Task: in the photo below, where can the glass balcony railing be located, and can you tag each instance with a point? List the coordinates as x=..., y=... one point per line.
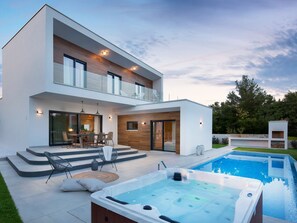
x=69, y=76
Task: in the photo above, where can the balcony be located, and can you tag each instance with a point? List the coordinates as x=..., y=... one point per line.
x=69, y=76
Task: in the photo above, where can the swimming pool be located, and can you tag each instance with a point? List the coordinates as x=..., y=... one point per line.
x=157, y=197
x=277, y=173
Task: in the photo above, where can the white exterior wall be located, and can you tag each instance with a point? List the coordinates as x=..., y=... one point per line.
x=191, y=113
x=24, y=59
x=191, y=132
x=39, y=124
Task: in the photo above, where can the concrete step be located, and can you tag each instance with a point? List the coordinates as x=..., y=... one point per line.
x=42, y=160
x=24, y=169
x=39, y=151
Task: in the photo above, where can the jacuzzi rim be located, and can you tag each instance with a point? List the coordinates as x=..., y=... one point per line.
x=245, y=216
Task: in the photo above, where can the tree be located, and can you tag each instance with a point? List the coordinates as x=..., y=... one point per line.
x=245, y=109
x=289, y=111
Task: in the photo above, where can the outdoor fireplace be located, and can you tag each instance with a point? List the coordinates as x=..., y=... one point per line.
x=278, y=134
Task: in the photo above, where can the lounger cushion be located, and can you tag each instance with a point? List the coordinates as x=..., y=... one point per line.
x=91, y=184
x=71, y=185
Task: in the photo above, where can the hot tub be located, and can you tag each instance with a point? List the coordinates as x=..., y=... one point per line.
x=197, y=197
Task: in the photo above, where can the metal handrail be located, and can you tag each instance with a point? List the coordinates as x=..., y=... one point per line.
x=162, y=162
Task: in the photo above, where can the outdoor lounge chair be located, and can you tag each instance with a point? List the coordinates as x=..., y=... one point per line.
x=58, y=164
x=108, y=155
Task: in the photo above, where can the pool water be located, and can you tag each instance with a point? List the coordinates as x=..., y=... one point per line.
x=187, y=201
x=277, y=173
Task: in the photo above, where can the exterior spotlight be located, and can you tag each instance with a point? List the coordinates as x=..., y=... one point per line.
x=39, y=112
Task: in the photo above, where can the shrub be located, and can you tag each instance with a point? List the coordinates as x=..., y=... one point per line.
x=225, y=141
x=215, y=140
x=294, y=144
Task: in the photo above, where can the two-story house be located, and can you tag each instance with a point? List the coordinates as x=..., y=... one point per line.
x=59, y=76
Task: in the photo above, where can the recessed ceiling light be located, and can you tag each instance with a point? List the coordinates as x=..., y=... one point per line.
x=104, y=52
x=133, y=68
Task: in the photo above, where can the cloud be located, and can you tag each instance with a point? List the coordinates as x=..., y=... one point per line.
x=193, y=73
x=181, y=72
x=215, y=79
x=141, y=47
x=278, y=67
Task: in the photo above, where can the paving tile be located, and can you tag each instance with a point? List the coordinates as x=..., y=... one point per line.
x=82, y=212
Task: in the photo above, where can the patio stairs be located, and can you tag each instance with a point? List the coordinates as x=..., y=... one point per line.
x=33, y=163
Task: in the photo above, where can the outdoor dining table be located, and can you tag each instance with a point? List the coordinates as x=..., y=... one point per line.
x=82, y=138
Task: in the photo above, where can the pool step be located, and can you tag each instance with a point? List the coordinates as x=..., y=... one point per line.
x=25, y=169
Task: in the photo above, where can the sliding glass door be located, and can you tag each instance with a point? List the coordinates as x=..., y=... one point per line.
x=163, y=135
x=60, y=122
x=157, y=135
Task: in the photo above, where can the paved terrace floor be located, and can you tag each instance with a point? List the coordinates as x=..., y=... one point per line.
x=40, y=202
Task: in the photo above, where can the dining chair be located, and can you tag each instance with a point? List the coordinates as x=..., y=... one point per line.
x=109, y=138
x=66, y=140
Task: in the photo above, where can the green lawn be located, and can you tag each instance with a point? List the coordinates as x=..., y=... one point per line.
x=292, y=152
x=292, y=137
x=217, y=146
x=8, y=211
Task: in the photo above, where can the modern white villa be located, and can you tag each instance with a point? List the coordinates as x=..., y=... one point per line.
x=59, y=76
x=61, y=80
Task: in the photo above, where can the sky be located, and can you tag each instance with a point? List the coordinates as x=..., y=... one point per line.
x=201, y=46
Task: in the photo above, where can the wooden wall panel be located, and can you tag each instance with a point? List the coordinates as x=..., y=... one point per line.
x=141, y=139
x=100, y=215
x=95, y=63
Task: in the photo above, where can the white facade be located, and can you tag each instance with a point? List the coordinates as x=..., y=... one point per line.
x=195, y=122
x=278, y=134
x=29, y=85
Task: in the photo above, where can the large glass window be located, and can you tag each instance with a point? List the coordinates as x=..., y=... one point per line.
x=163, y=135
x=74, y=72
x=68, y=71
x=113, y=83
x=61, y=122
x=71, y=123
x=139, y=90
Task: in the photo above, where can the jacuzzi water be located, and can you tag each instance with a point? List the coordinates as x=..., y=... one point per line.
x=277, y=173
x=199, y=197
x=187, y=201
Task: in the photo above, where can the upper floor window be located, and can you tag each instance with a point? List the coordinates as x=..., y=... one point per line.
x=74, y=72
x=139, y=90
x=113, y=83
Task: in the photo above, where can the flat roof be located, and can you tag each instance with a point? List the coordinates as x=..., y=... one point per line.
x=95, y=43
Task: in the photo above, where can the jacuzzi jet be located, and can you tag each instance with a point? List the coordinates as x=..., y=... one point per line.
x=249, y=195
x=177, y=176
